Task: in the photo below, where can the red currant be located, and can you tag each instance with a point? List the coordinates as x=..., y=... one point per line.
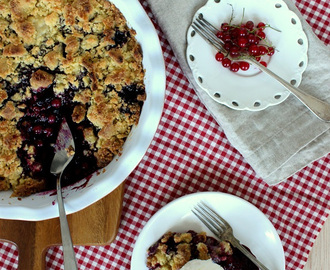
x=235, y=33
x=271, y=51
x=253, y=39
x=253, y=50
x=227, y=45
x=219, y=56
x=263, y=63
x=242, y=32
x=244, y=65
x=261, y=25
x=226, y=62
x=220, y=34
x=234, y=51
x=225, y=26
x=242, y=41
x=263, y=50
x=226, y=37
x=249, y=25
x=261, y=34
x=234, y=67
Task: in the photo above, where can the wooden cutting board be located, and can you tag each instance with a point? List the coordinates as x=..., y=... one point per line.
x=95, y=225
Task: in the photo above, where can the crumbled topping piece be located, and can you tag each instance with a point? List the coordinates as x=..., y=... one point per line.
x=42, y=79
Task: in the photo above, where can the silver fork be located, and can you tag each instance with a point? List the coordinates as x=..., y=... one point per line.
x=320, y=108
x=221, y=229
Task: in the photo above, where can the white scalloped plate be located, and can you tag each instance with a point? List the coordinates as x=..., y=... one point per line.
x=43, y=206
x=252, y=91
x=250, y=226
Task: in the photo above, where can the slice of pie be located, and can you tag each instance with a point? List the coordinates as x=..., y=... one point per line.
x=174, y=250
x=76, y=59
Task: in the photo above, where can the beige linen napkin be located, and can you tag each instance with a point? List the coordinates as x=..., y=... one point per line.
x=280, y=140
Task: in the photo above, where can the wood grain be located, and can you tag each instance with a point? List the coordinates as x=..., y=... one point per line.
x=95, y=225
x=319, y=258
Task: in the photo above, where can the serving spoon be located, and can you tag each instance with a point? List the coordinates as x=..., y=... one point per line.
x=64, y=152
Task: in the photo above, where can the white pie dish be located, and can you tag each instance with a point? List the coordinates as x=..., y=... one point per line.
x=43, y=206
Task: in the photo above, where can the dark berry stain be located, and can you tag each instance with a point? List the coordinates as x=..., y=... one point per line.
x=131, y=92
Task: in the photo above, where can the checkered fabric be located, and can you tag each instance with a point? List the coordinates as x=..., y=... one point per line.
x=190, y=153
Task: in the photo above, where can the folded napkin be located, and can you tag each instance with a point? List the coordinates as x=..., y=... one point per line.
x=280, y=140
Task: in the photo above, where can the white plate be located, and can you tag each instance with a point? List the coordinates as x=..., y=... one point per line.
x=245, y=91
x=250, y=226
x=43, y=206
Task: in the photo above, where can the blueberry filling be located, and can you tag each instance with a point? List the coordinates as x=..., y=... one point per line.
x=236, y=261
x=39, y=126
x=120, y=38
x=43, y=112
x=131, y=92
x=84, y=162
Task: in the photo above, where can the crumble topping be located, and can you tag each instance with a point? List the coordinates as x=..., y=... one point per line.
x=41, y=78
x=62, y=58
x=174, y=250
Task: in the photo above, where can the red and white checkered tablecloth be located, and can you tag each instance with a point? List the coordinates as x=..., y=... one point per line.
x=190, y=153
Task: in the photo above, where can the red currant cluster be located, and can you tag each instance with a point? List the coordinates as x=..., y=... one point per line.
x=240, y=41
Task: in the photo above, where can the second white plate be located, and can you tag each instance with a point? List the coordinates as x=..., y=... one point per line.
x=250, y=226
x=258, y=91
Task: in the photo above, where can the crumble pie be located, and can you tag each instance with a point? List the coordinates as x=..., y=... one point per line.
x=173, y=250
x=76, y=59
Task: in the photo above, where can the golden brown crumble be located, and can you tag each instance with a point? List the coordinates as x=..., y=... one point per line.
x=173, y=250
x=82, y=46
x=41, y=78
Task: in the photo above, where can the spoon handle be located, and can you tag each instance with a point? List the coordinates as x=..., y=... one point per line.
x=70, y=262
x=320, y=108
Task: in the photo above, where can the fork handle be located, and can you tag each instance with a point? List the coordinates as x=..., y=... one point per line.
x=320, y=108
x=248, y=254
x=70, y=262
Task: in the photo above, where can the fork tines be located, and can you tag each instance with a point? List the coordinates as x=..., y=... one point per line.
x=207, y=24
x=207, y=31
x=215, y=223
x=221, y=228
